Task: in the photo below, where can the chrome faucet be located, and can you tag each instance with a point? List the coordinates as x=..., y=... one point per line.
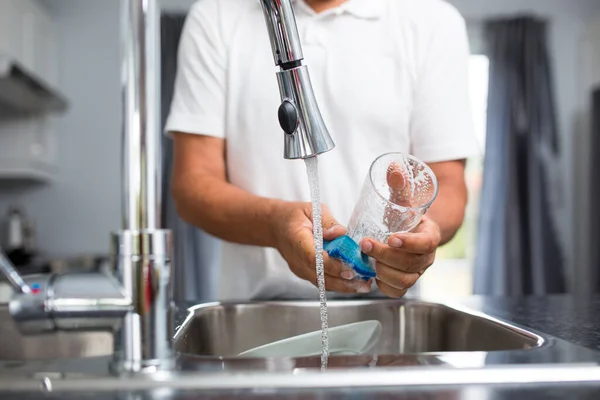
x=299, y=116
x=134, y=299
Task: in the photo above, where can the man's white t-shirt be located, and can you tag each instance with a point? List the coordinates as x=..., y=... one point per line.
x=389, y=75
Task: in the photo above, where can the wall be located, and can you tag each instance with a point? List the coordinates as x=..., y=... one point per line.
x=77, y=211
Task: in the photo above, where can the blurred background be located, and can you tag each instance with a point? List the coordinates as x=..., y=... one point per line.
x=531, y=225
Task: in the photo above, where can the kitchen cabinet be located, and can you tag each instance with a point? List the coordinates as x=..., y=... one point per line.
x=28, y=38
x=28, y=34
x=11, y=42
x=27, y=148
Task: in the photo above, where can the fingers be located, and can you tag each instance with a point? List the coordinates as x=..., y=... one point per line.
x=397, y=258
x=333, y=232
x=337, y=268
x=391, y=291
x=395, y=278
x=414, y=243
x=338, y=284
x=331, y=228
x=399, y=185
x=425, y=239
x=395, y=177
x=341, y=278
x=338, y=277
x=327, y=218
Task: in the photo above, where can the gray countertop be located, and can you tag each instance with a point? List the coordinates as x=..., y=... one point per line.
x=576, y=320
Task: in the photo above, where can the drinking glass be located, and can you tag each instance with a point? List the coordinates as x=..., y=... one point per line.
x=398, y=191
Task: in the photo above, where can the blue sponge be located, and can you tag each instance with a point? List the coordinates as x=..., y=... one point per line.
x=347, y=250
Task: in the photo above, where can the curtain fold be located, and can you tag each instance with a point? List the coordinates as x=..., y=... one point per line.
x=518, y=250
x=196, y=254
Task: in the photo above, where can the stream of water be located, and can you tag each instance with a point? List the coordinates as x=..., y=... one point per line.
x=312, y=169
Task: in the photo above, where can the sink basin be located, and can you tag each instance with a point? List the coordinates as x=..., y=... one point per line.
x=226, y=330
x=60, y=345
x=408, y=327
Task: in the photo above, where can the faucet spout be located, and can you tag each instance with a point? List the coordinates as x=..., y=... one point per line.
x=306, y=134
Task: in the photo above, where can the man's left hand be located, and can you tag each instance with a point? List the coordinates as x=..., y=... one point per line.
x=406, y=256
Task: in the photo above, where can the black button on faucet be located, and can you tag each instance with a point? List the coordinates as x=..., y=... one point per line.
x=288, y=117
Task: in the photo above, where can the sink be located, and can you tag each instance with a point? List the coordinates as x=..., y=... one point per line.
x=60, y=345
x=409, y=327
x=226, y=330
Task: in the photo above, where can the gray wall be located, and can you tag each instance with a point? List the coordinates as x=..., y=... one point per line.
x=76, y=212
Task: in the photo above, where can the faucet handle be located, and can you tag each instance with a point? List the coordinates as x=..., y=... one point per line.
x=13, y=277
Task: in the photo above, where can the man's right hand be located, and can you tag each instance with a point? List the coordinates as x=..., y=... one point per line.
x=295, y=242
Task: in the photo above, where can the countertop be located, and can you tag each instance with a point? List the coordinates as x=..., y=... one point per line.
x=575, y=320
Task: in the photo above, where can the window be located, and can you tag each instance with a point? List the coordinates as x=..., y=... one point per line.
x=453, y=271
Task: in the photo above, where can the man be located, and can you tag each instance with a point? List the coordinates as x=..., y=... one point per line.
x=389, y=75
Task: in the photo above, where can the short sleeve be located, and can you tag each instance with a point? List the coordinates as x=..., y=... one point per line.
x=442, y=126
x=198, y=104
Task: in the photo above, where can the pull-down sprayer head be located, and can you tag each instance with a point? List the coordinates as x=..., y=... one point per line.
x=299, y=116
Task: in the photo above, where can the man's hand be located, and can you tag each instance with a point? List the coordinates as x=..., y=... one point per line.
x=296, y=244
x=406, y=256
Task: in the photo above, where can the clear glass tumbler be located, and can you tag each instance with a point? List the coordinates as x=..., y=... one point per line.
x=398, y=191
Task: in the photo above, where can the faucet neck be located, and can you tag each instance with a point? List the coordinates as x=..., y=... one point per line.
x=142, y=252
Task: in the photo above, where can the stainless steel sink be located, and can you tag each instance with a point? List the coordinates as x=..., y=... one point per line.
x=421, y=345
x=60, y=345
x=409, y=327
x=225, y=330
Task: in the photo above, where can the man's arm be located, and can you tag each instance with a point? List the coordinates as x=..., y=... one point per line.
x=204, y=198
x=448, y=210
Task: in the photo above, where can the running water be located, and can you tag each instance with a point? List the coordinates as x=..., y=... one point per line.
x=313, y=181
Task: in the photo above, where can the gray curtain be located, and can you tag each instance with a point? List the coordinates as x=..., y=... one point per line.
x=518, y=250
x=197, y=255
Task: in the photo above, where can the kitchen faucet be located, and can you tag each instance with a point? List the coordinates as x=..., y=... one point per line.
x=134, y=299
x=299, y=116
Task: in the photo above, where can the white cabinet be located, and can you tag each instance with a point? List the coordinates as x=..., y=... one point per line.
x=39, y=42
x=11, y=42
x=28, y=35
x=27, y=148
